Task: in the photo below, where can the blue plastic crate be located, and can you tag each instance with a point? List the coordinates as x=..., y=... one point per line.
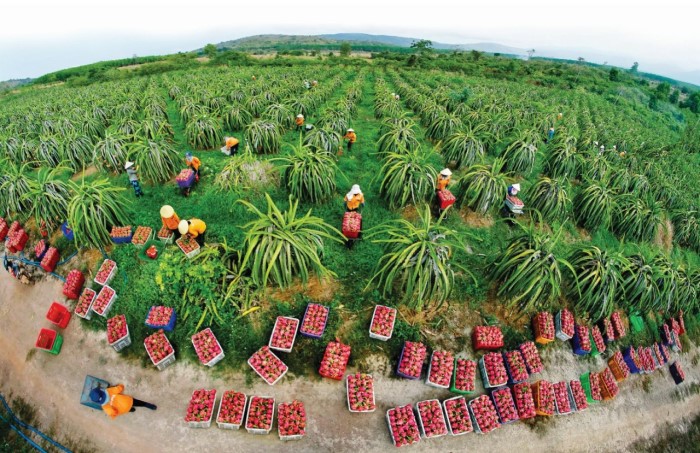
x=498, y=411
x=510, y=375
x=68, y=233
x=674, y=374
x=576, y=343
x=188, y=182
x=627, y=357
x=168, y=327
x=400, y=374
x=310, y=335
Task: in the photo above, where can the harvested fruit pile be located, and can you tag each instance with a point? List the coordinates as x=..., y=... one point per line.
x=201, y=406
x=543, y=396
x=103, y=301
x=441, y=368
x=104, y=273
x=403, y=426
x=121, y=232
x=565, y=325
x=284, y=333
x=314, y=321
x=561, y=398
x=291, y=419
x=523, y=400
x=158, y=346
x=543, y=325
x=484, y=414
x=335, y=360
x=116, y=329
x=458, y=418
x=598, y=339
x=582, y=340
x=493, y=370
x=141, y=235
x=431, y=418
x=579, y=395
x=50, y=260
x=187, y=244
x=383, y=321
x=352, y=224
x=232, y=408
x=618, y=326
x=487, y=337
x=260, y=413
x=206, y=346
x=267, y=365
x=608, y=385
x=159, y=316
x=411, y=361
x=360, y=390
x=505, y=406
x=85, y=302
x=465, y=375
x=515, y=364
x=165, y=233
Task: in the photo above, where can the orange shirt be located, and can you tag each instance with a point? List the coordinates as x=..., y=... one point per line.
x=442, y=182
x=351, y=136
x=197, y=227
x=232, y=141
x=194, y=163
x=171, y=223
x=117, y=403
x=300, y=121
x=355, y=201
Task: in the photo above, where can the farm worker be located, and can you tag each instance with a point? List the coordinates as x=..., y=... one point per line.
x=299, y=121
x=560, y=115
x=354, y=199
x=602, y=149
x=193, y=162
x=513, y=190
x=314, y=83
x=170, y=220
x=307, y=85
x=231, y=145
x=350, y=136
x=115, y=403
x=195, y=228
x=444, y=179
x=253, y=77
x=550, y=134
x=133, y=178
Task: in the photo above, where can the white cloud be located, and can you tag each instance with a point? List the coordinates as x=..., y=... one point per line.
x=38, y=36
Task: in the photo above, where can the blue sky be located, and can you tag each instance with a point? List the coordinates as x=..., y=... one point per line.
x=40, y=36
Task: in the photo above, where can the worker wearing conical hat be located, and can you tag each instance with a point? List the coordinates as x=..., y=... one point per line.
x=351, y=137
x=195, y=228
x=444, y=179
x=299, y=121
x=354, y=199
x=169, y=218
x=133, y=178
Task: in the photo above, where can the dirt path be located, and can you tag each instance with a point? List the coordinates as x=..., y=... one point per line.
x=53, y=385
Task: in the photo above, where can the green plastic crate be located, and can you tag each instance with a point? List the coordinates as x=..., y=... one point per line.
x=586, y=384
x=637, y=323
x=594, y=349
x=453, y=389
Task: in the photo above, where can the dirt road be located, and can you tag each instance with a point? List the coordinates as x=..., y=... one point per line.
x=53, y=385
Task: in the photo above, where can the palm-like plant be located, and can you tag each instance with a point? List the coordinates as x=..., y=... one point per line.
x=397, y=138
x=280, y=246
x=528, y=272
x=77, y=150
x=549, y=197
x=237, y=118
x=483, y=186
x=109, y=154
x=599, y=280
x=443, y=125
x=263, y=136
x=323, y=140
x=279, y=114
x=157, y=160
x=309, y=175
x=416, y=260
x=15, y=183
x=49, y=151
x=408, y=178
x=520, y=154
x=639, y=283
x=464, y=148
x=95, y=207
x=637, y=218
x=594, y=205
x=335, y=120
x=204, y=132
x=48, y=197
x=563, y=161
x=243, y=172
x=686, y=228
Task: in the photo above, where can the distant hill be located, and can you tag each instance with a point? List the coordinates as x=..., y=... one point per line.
x=359, y=41
x=13, y=83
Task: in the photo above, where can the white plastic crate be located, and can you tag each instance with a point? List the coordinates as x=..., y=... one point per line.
x=572, y=403
x=485, y=378
x=287, y=437
x=296, y=330
x=420, y=420
x=204, y=424
x=247, y=419
x=166, y=361
x=219, y=357
x=447, y=417
x=223, y=425
x=167, y=240
x=109, y=305
x=88, y=314
x=191, y=254
x=557, y=323
x=376, y=336
x=391, y=433
x=123, y=342
x=151, y=235
x=347, y=395
x=430, y=367
x=109, y=278
x=286, y=368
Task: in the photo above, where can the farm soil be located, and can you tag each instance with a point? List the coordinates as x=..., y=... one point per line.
x=52, y=384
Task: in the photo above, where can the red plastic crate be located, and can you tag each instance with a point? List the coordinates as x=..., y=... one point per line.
x=46, y=339
x=352, y=225
x=58, y=314
x=445, y=198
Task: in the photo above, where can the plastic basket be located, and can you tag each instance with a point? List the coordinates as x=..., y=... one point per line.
x=289, y=436
x=122, y=240
x=160, y=246
x=223, y=425
x=219, y=357
x=510, y=373
x=570, y=397
x=296, y=329
x=109, y=278
x=617, y=369
x=49, y=340
x=576, y=343
x=187, y=182
x=536, y=389
x=151, y=234
x=247, y=419
x=557, y=328
x=498, y=409
x=166, y=239
x=676, y=370
x=629, y=357
x=167, y=327
x=398, y=371
x=191, y=254
x=327, y=355
x=430, y=367
x=59, y=315
x=123, y=342
x=67, y=232
x=351, y=234
x=447, y=416
x=165, y=361
x=109, y=305
x=453, y=385
x=475, y=422
x=539, y=336
x=391, y=433
x=377, y=336
x=586, y=384
x=484, y=377
x=347, y=396
x=479, y=346
x=420, y=420
x=286, y=368
x=88, y=314
x=312, y=335
x=206, y=423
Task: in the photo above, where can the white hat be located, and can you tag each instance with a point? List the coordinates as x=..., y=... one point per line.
x=595, y=143
x=602, y=146
x=355, y=189
x=300, y=116
x=614, y=146
x=446, y=172
x=128, y=165
x=516, y=187
x=167, y=211
x=351, y=130
x=183, y=227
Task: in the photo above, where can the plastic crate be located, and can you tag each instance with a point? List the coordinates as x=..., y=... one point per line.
x=462, y=402
x=313, y=335
x=123, y=342
x=49, y=340
x=445, y=198
x=478, y=345
x=557, y=328
x=484, y=377
x=90, y=294
x=586, y=384
x=498, y=409
x=286, y=368
x=475, y=422
x=74, y=284
x=223, y=425
x=109, y=305
x=165, y=361
x=630, y=358
x=111, y=275
x=185, y=183
x=160, y=246
x=347, y=232
x=167, y=327
x=338, y=355
x=569, y=396
x=453, y=385
x=537, y=388
x=508, y=369
x=420, y=420
x=169, y=239
x=67, y=232
x=347, y=396
x=219, y=357
x=191, y=254
x=619, y=370
x=148, y=238
x=296, y=328
x=576, y=343
x=207, y=423
x=398, y=371
x=272, y=419
x=290, y=436
x=59, y=315
x=415, y=440
x=526, y=405
x=377, y=336
x=677, y=373
x=122, y=240
x=546, y=317
x=430, y=367
x=53, y=258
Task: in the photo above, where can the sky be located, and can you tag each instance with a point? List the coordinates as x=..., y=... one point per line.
x=40, y=36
